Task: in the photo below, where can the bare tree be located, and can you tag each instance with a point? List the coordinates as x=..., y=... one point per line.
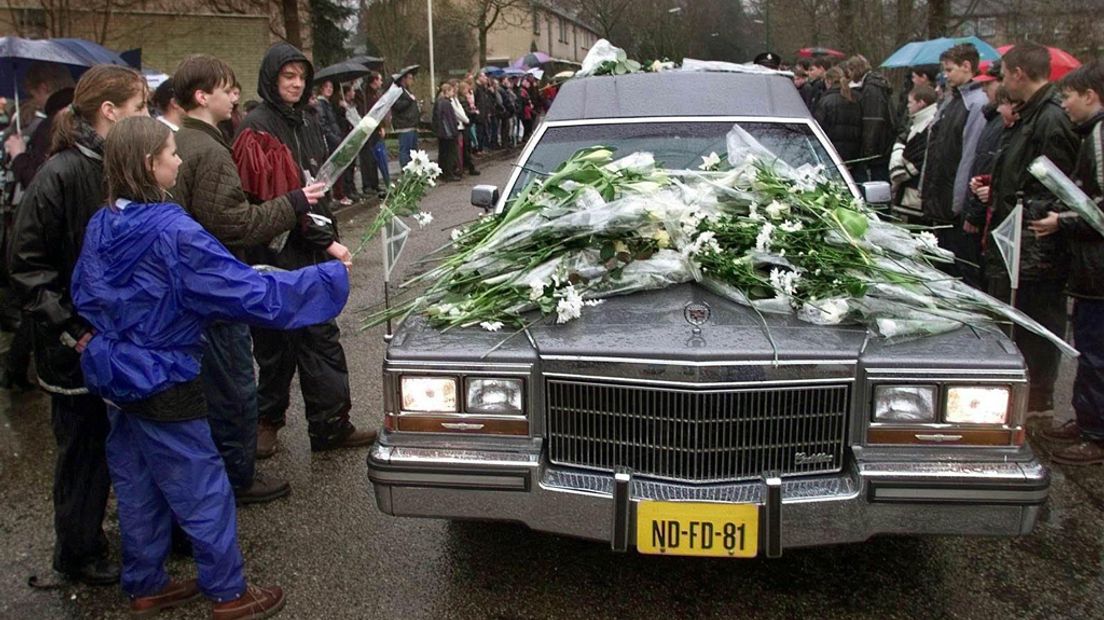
x=606, y=15
x=482, y=15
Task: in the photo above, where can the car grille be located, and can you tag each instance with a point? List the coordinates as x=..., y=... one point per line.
x=698, y=435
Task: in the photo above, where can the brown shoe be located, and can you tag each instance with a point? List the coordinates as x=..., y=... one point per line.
x=1081, y=453
x=175, y=594
x=355, y=439
x=266, y=440
x=254, y=604
x=1066, y=432
x=264, y=489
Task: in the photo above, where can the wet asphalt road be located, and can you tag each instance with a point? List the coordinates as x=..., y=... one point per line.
x=338, y=557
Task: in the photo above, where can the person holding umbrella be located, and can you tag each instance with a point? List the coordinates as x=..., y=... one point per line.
x=49, y=231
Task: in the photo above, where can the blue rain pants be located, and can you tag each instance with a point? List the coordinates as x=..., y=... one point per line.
x=163, y=470
x=1088, y=385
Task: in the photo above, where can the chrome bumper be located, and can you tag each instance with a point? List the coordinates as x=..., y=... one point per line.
x=983, y=499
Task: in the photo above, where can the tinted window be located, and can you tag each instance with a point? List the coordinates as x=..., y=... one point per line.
x=675, y=145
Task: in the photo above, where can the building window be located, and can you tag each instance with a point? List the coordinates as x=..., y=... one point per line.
x=30, y=23
x=563, y=30
x=536, y=22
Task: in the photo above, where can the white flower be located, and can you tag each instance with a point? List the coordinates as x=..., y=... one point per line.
x=705, y=242
x=825, y=312
x=775, y=209
x=423, y=218
x=763, y=240
x=753, y=212
x=491, y=326
x=590, y=303
x=456, y=234
x=784, y=282
x=662, y=237
x=419, y=162
x=570, y=305
x=710, y=161
x=928, y=240
x=536, y=290
x=888, y=327
x=791, y=226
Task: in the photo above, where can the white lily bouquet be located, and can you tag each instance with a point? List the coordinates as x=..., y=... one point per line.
x=346, y=152
x=405, y=195
x=751, y=229
x=1067, y=191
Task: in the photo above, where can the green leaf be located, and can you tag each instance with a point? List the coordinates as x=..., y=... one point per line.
x=853, y=222
x=607, y=251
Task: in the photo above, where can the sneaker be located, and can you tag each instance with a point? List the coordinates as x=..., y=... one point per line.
x=1080, y=453
x=1068, y=432
x=175, y=594
x=355, y=439
x=255, y=603
x=266, y=439
x=264, y=489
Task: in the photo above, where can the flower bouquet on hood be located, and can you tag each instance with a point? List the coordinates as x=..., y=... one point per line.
x=748, y=227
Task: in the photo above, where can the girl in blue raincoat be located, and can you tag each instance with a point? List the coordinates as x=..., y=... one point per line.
x=149, y=280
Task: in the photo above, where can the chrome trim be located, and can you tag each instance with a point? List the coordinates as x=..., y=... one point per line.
x=772, y=517
x=703, y=385
x=622, y=511
x=670, y=362
x=889, y=494
x=466, y=481
x=938, y=438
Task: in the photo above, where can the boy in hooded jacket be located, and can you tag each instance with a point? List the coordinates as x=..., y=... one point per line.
x=315, y=351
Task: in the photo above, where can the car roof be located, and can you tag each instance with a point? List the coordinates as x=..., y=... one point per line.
x=678, y=93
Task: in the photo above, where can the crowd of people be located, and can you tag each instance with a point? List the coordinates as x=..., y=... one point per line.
x=129, y=259
x=957, y=157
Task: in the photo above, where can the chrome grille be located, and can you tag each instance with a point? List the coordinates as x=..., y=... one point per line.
x=698, y=435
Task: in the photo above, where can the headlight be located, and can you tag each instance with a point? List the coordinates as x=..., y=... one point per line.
x=904, y=403
x=977, y=405
x=429, y=394
x=494, y=396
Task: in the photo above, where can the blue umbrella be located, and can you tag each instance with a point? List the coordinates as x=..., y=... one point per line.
x=18, y=54
x=928, y=52
x=492, y=71
x=511, y=72
x=92, y=53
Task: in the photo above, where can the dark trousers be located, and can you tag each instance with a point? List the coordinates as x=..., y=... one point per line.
x=468, y=155
x=81, y=479
x=19, y=352
x=447, y=156
x=1044, y=301
x=231, y=392
x=1088, y=386
x=317, y=354
x=967, y=250
x=166, y=471
x=369, y=172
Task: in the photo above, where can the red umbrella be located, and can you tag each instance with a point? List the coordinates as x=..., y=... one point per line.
x=812, y=52
x=1061, y=61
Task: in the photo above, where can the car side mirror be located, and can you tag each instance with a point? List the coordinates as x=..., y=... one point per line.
x=484, y=196
x=877, y=192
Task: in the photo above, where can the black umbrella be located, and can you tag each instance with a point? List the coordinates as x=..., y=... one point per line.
x=342, y=72
x=405, y=70
x=367, y=61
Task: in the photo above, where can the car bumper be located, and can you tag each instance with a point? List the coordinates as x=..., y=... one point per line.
x=984, y=499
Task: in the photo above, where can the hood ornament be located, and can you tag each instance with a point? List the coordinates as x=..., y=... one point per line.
x=697, y=313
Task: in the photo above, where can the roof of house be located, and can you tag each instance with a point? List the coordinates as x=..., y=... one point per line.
x=678, y=93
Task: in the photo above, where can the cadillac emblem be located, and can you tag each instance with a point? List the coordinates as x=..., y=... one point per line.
x=697, y=314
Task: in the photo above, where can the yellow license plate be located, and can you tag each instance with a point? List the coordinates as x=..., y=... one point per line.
x=684, y=528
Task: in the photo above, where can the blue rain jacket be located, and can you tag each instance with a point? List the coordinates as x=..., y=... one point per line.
x=149, y=279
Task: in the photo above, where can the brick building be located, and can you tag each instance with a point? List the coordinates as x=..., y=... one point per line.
x=238, y=31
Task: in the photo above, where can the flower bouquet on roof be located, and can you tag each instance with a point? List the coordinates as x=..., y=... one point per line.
x=748, y=227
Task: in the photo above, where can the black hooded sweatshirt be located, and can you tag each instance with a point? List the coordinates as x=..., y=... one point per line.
x=301, y=132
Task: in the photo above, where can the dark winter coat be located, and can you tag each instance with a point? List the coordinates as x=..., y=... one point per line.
x=327, y=118
x=907, y=158
x=952, y=146
x=301, y=133
x=208, y=187
x=842, y=122
x=406, y=113
x=444, y=119
x=485, y=101
x=811, y=92
x=875, y=98
x=47, y=238
x=975, y=212
x=1043, y=129
x=1086, y=277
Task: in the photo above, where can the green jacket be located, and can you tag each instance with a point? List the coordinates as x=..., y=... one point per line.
x=208, y=187
x=1043, y=129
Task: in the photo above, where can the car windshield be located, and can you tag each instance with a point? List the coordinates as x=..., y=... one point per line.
x=675, y=145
